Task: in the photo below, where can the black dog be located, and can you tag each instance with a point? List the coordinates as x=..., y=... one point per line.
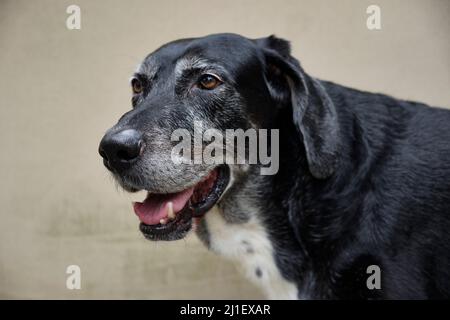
x=363, y=181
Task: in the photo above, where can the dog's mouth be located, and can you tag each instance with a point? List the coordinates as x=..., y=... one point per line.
x=169, y=216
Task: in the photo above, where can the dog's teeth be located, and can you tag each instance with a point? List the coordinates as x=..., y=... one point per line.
x=163, y=221
x=170, y=213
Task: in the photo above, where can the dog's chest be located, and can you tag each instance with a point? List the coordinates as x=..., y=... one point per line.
x=248, y=244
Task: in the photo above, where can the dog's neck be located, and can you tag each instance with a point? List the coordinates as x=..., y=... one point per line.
x=299, y=213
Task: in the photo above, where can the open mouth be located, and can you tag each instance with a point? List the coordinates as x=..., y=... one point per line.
x=169, y=216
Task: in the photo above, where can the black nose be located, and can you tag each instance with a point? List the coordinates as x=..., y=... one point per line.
x=119, y=149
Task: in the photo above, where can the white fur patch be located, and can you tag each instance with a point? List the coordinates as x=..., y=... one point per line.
x=249, y=245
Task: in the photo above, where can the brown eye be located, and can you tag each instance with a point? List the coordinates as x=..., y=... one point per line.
x=209, y=81
x=136, y=86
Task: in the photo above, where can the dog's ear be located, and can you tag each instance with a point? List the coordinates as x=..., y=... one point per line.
x=313, y=112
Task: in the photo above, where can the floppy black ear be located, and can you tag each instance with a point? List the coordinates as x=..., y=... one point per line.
x=313, y=112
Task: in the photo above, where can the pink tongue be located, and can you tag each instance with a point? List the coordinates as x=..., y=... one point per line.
x=154, y=208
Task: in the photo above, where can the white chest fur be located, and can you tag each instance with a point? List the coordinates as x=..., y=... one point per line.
x=249, y=245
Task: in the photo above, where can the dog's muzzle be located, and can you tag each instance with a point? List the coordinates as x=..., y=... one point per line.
x=166, y=215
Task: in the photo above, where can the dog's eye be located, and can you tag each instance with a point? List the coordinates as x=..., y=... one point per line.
x=209, y=81
x=136, y=86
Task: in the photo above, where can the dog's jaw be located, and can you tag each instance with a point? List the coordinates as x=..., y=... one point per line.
x=170, y=216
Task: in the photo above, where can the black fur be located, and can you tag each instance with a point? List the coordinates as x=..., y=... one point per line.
x=386, y=203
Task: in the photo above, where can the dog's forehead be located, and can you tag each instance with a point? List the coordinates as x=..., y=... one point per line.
x=149, y=66
x=226, y=50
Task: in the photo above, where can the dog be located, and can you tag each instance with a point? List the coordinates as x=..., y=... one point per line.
x=363, y=181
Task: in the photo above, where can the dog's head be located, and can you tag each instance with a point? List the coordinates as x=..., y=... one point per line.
x=222, y=81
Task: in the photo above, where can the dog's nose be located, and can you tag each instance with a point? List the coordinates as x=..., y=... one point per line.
x=119, y=149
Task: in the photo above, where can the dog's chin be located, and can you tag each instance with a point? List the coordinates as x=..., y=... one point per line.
x=170, y=216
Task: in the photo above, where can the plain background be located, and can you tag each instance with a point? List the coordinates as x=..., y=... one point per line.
x=61, y=89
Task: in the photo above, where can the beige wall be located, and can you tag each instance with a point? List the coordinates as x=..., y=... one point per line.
x=60, y=90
